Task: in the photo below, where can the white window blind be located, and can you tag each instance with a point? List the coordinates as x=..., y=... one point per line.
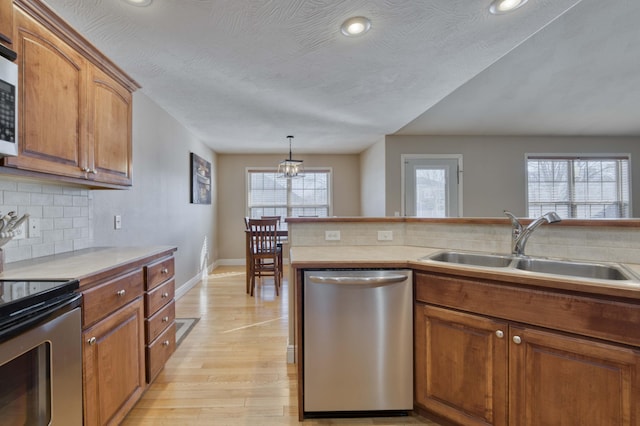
x=269, y=195
x=578, y=186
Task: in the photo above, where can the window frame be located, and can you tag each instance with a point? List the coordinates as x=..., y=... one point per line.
x=576, y=157
x=288, y=206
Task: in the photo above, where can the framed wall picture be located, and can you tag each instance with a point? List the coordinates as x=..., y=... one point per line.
x=200, y=180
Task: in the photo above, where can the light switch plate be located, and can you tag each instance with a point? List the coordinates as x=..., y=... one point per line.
x=117, y=222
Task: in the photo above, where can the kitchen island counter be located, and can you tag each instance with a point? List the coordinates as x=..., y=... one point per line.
x=331, y=257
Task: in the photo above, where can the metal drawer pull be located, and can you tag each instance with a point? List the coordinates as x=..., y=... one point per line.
x=121, y=293
x=499, y=334
x=517, y=340
x=165, y=295
x=165, y=319
x=164, y=271
x=91, y=341
x=165, y=343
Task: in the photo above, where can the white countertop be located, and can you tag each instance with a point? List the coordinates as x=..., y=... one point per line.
x=78, y=264
x=410, y=256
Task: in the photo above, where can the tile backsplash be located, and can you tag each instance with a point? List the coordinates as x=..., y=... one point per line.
x=65, y=213
x=611, y=244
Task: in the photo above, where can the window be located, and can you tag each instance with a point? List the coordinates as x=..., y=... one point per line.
x=578, y=186
x=269, y=195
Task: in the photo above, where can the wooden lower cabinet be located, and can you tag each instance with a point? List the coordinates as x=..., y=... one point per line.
x=476, y=370
x=116, y=330
x=461, y=366
x=160, y=313
x=114, y=365
x=558, y=379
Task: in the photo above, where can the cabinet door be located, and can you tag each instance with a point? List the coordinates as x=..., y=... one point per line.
x=109, y=129
x=461, y=366
x=52, y=90
x=563, y=380
x=114, y=369
x=6, y=22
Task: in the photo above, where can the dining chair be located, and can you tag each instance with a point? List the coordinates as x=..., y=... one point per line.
x=263, y=251
x=279, y=244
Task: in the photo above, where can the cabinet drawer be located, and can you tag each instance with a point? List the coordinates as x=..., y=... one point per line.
x=159, y=321
x=158, y=297
x=158, y=273
x=159, y=352
x=101, y=300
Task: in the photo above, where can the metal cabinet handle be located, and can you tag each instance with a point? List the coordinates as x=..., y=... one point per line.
x=165, y=295
x=164, y=271
x=121, y=293
x=93, y=171
x=499, y=334
x=165, y=343
x=91, y=341
x=165, y=319
x=517, y=340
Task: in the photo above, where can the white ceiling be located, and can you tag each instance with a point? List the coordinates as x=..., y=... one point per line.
x=244, y=74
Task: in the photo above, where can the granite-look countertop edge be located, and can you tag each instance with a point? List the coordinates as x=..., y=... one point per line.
x=78, y=264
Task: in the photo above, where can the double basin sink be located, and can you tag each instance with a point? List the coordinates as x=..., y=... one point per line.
x=569, y=268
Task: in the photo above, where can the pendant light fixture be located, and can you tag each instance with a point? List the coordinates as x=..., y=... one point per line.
x=499, y=7
x=290, y=168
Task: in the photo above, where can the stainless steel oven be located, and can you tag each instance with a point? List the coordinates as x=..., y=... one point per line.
x=40, y=353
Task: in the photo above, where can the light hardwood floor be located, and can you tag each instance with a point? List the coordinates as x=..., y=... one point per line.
x=232, y=369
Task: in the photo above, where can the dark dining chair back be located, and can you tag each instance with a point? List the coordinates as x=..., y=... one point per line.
x=264, y=252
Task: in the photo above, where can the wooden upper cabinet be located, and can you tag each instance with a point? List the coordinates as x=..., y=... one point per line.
x=109, y=129
x=52, y=131
x=6, y=22
x=75, y=105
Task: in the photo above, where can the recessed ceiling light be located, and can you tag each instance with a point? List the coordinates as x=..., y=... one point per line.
x=499, y=7
x=355, y=26
x=139, y=3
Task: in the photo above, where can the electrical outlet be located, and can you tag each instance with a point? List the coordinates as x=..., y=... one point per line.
x=34, y=227
x=20, y=231
x=117, y=222
x=385, y=235
x=332, y=235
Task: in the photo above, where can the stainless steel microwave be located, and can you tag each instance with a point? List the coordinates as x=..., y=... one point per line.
x=8, y=107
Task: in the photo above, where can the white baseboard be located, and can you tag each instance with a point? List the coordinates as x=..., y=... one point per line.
x=291, y=354
x=230, y=262
x=184, y=288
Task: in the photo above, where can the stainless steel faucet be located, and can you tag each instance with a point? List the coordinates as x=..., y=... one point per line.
x=520, y=235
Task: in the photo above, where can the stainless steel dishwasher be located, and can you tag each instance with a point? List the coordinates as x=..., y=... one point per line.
x=357, y=341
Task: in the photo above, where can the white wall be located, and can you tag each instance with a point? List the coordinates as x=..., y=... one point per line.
x=494, y=167
x=372, y=180
x=157, y=210
x=232, y=193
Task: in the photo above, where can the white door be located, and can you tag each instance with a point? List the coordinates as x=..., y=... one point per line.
x=432, y=186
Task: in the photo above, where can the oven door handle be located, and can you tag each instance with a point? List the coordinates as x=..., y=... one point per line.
x=48, y=312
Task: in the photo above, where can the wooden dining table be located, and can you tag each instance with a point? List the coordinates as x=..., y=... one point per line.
x=282, y=235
